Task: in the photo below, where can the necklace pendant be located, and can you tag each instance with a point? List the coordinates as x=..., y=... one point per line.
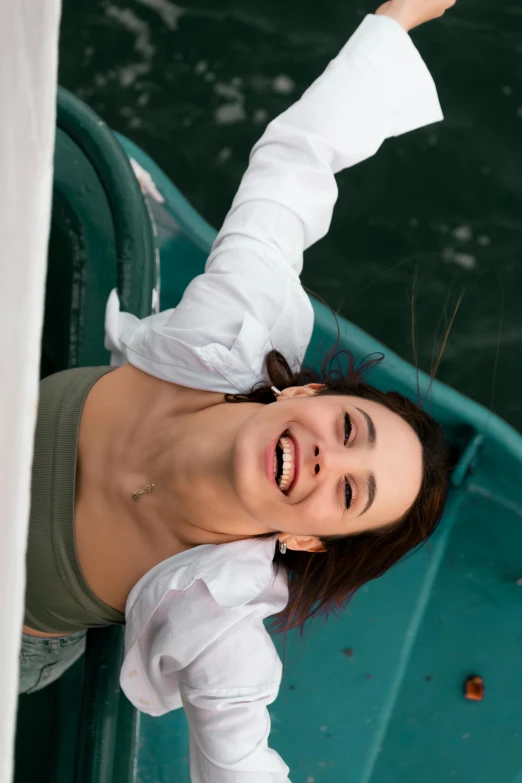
x=146, y=489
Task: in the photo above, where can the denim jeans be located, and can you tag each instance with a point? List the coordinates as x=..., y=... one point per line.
x=42, y=661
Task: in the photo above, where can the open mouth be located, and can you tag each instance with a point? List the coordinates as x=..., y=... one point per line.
x=285, y=463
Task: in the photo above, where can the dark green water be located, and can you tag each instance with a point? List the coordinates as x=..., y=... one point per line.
x=438, y=211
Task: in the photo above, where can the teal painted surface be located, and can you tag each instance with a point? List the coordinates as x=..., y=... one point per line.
x=376, y=694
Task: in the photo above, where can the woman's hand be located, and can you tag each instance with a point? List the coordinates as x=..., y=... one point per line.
x=412, y=13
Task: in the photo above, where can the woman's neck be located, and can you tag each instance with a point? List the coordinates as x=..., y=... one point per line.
x=170, y=447
x=134, y=431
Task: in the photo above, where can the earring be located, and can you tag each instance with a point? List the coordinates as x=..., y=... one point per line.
x=275, y=390
x=282, y=547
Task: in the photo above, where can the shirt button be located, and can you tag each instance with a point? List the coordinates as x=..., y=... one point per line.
x=133, y=673
x=144, y=702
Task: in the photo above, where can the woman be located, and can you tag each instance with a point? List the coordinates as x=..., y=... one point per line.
x=161, y=488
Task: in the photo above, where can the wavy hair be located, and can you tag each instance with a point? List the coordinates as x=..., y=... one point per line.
x=322, y=582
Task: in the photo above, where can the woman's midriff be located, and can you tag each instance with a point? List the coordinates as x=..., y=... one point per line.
x=32, y=632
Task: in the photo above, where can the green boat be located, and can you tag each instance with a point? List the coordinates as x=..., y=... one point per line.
x=375, y=695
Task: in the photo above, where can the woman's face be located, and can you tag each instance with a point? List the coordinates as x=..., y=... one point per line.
x=351, y=465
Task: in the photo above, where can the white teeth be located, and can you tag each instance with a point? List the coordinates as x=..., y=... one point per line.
x=288, y=471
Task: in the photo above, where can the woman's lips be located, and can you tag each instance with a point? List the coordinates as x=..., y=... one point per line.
x=269, y=462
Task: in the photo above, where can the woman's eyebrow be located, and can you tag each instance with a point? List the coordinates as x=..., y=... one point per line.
x=370, y=426
x=372, y=490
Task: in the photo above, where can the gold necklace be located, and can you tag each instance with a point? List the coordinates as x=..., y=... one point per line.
x=146, y=489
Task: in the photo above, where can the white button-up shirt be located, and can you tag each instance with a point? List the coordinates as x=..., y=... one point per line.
x=195, y=635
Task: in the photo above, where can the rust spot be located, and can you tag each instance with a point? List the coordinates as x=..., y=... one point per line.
x=348, y=652
x=368, y=676
x=474, y=688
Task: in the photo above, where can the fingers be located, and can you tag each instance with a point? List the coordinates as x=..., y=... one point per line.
x=412, y=13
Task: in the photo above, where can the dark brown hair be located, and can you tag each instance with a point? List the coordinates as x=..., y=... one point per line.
x=323, y=582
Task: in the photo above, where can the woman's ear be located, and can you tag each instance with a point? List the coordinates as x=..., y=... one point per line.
x=301, y=391
x=302, y=543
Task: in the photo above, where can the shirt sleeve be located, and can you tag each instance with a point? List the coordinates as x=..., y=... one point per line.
x=225, y=694
x=221, y=665
x=250, y=300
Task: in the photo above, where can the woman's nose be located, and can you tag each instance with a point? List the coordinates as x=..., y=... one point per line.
x=337, y=459
x=317, y=466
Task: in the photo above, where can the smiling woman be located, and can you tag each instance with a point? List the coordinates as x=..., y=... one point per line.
x=370, y=481
x=341, y=477
x=153, y=482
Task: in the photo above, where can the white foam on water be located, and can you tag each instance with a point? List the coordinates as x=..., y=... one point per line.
x=128, y=19
x=169, y=12
x=234, y=110
x=463, y=233
x=260, y=116
x=224, y=154
x=230, y=113
x=129, y=73
x=464, y=260
x=228, y=91
x=283, y=84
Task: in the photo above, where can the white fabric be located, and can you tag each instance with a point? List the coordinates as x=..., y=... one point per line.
x=250, y=299
x=195, y=636
x=28, y=67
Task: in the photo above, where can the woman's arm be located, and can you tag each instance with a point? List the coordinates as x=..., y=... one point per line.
x=250, y=299
x=215, y=660
x=225, y=694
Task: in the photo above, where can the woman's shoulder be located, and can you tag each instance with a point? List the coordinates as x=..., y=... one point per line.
x=235, y=574
x=196, y=625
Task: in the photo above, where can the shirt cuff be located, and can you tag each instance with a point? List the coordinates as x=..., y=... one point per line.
x=385, y=46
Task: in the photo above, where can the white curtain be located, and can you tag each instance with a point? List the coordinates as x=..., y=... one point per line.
x=28, y=73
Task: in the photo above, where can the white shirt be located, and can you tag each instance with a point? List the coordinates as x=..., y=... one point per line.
x=195, y=636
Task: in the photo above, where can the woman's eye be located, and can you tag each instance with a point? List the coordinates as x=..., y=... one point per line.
x=347, y=428
x=348, y=494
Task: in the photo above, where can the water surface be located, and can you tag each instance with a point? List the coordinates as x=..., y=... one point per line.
x=437, y=212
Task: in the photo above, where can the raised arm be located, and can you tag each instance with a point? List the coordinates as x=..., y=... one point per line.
x=250, y=299
x=225, y=694
x=207, y=650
